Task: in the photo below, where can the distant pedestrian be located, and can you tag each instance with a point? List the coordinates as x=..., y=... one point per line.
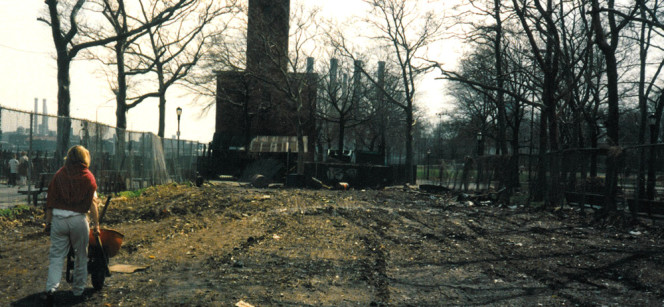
x=13, y=171
x=37, y=165
x=23, y=168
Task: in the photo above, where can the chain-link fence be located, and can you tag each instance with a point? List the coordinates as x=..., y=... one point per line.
x=121, y=159
x=579, y=176
x=468, y=174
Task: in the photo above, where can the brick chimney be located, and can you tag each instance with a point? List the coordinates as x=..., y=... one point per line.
x=267, y=36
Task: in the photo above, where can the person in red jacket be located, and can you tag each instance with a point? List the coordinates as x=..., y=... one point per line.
x=71, y=195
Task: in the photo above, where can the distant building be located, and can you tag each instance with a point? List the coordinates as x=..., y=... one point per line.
x=252, y=103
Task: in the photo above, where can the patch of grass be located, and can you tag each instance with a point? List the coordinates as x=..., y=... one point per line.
x=130, y=194
x=13, y=212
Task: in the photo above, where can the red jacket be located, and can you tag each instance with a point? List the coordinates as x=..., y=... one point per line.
x=72, y=188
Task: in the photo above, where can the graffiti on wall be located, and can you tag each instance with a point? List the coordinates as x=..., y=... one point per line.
x=341, y=174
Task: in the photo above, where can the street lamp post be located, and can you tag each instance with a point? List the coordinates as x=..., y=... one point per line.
x=652, y=122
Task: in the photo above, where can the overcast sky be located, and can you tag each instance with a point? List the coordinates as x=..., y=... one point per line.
x=28, y=71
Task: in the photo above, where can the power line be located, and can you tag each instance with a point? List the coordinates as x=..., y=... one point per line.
x=24, y=51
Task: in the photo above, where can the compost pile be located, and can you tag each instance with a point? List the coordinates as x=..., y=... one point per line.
x=226, y=244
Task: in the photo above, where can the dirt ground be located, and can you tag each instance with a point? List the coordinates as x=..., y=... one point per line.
x=221, y=244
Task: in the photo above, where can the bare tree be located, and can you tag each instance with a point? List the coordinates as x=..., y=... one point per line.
x=647, y=86
x=226, y=52
x=491, y=28
x=117, y=17
x=608, y=46
x=63, y=19
x=343, y=98
x=532, y=68
x=171, y=49
x=406, y=32
x=492, y=32
x=583, y=61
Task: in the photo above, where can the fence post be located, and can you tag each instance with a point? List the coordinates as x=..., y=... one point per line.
x=29, y=174
x=192, y=171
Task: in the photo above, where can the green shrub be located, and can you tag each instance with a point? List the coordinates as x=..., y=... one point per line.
x=130, y=194
x=14, y=212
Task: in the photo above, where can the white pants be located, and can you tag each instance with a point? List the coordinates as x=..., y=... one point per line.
x=65, y=232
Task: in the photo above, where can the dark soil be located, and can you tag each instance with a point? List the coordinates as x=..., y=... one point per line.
x=222, y=244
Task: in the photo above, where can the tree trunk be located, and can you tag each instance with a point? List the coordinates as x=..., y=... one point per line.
x=409, y=144
x=514, y=165
x=554, y=170
x=652, y=156
x=594, y=142
x=121, y=95
x=578, y=165
x=120, y=130
x=162, y=100
x=500, y=80
x=612, y=131
x=64, y=100
x=643, y=114
x=120, y=148
x=550, y=111
x=342, y=129
x=539, y=190
x=652, y=159
x=162, y=113
x=612, y=121
x=121, y=103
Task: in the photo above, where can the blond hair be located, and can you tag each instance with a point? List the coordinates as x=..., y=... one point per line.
x=78, y=154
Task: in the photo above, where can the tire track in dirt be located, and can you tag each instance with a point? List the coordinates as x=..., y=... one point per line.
x=374, y=269
x=431, y=233
x=243, y=247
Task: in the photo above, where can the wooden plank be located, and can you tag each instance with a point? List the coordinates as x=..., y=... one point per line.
x=647, y=206
x=585, y=199
x=127, y=268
